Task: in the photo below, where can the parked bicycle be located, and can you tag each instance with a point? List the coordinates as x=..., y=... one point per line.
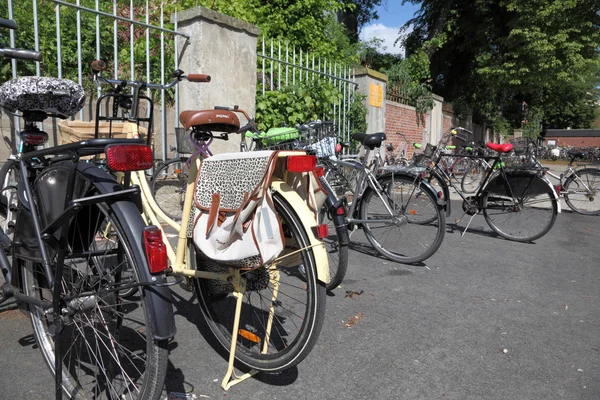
x=518, y=203
x=266, y=314
x=75, y=230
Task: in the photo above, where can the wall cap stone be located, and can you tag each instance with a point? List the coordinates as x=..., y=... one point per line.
x=362, y=71
x=216, y=17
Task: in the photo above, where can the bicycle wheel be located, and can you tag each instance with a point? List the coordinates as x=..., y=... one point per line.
x=341, y=178
x=168, y=185
x=528, y=216
x=283, y=305
x=582, y=191
x=417, y=227
x=473, y=177
x=108, y=348
x=337, y=254
x=460, y=168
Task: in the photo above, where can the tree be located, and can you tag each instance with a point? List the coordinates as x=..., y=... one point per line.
x=356, y=14
x=490, y=56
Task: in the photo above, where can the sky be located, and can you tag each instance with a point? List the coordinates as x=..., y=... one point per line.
x=391, y=17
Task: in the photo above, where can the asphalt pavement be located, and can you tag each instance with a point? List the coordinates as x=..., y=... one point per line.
x=483, y=318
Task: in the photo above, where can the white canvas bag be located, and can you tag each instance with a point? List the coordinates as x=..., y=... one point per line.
x=235, y=220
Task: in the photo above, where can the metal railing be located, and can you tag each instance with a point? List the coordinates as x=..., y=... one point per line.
x=281, y=66
x=117, y=41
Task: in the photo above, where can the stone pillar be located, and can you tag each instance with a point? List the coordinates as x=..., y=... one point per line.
x=224, y=48
x=373, y=84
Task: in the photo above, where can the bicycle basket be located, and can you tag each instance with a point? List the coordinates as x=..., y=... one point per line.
x=519, y=145
x=429, y=150
x=184, y=144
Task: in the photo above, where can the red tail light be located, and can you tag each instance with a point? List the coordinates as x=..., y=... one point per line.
x=322, y=231
x=34, y=139
x=301, y=163
x=320, y=171
x=156, y=251
x=129, y=157
x=341, y=210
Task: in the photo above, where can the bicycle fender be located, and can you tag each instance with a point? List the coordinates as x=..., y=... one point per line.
x=519, y=181
x=307, y=219
x=157, y=297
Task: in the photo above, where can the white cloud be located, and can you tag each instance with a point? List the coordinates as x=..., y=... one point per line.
x=388, y=34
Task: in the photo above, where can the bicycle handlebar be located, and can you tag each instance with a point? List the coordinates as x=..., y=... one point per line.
x=21, y=54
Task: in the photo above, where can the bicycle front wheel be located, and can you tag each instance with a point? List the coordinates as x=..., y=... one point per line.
x=108, y=351
x=524, y=218
x=404, y=221
x=582, y=191
x=169, y=184
x=283, y=306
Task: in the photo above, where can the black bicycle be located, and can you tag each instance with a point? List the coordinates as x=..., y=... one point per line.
x=75, y=230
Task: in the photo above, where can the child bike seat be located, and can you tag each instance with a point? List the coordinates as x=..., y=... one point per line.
x=32, y=94
x=210, y=120
x=370, y=140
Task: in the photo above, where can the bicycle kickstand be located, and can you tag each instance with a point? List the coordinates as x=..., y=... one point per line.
x=468, y=223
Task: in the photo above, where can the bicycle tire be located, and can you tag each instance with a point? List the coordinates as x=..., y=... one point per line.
x=300, y=304
x=337, y=254
x=532, y=218
x=416, y=211
x=100, y=324
x=168, y=185
x=584, y=197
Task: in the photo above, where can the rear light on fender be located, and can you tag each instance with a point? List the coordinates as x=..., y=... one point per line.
x=156, y=251
x=321, y=231
x=129, y=157
x=304, y=163
x=558, y=189
x=34, y=138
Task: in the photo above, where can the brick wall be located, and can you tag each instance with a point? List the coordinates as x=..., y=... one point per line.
x=576, y=141
x=402, y=118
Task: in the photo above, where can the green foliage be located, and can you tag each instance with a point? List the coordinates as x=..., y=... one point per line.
x=295, y=104
x=407, y=79
x=358, y=113
x=493, y=55
x=532, y=123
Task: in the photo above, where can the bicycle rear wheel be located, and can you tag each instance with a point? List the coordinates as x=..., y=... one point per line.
x=473, y=177
x=337, y=254
x=169, y=184
x=108, y=348
x=415, y=230
x=527, y=217
x=287, y=293
x=582, y=191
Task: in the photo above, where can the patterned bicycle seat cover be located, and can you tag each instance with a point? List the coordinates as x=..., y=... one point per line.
x=54, y=96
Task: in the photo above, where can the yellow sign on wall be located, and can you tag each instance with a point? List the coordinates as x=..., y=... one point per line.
x=376, y=95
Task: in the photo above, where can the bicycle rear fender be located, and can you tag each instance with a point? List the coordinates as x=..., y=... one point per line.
x=307, y=219
x=157, y=297
x=517, y=182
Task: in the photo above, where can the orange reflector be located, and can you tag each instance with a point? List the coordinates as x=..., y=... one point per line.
x=129, y=157
x=320, y=171
x=249, y=335
x=156, y=251
x=178, y=171
x=413, y=212
x=301, y=163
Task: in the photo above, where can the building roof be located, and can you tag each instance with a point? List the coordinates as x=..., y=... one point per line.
x=550, y=133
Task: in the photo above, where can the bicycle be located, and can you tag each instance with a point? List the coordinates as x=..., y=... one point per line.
x=518, y=195
x=401, y=218
x=267, y=317
x=580, y=186
x=66, y=265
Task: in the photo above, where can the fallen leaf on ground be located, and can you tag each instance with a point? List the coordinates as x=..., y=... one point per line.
x=354, y=320
x=350, y=293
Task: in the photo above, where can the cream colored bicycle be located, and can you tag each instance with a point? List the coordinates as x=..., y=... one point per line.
x=268, y=317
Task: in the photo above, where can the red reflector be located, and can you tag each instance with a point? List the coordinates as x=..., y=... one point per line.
x=129, y=157
x=301, y=163
x=440, y=194
x=338, y=148
x=558, y=189
x=34, y=139
x=156, y=251
x=322, y=231
x=320, y=171
x=340, y=211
